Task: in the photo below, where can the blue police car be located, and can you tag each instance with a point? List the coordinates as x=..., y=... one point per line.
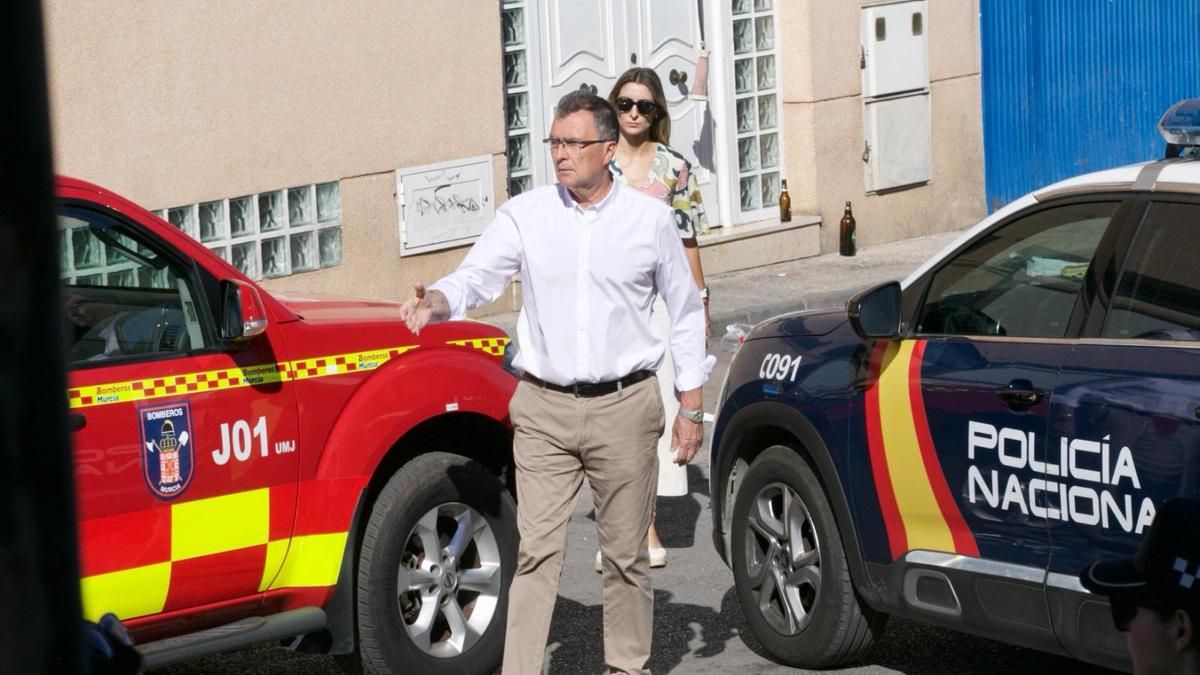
x=955, y=447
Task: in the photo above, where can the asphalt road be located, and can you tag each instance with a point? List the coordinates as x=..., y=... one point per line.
x=698, y=624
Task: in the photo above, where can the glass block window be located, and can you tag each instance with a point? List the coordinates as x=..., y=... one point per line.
x=756, y=104
x=86, y=260
x=514, y=36
x=269, y=234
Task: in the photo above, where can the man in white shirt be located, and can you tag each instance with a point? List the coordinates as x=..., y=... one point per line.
x=591, y=255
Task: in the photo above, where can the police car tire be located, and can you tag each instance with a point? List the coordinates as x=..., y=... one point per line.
x=842, y=627
x=424, y=483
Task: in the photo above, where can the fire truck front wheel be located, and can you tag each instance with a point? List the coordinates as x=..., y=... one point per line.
x=436, y=560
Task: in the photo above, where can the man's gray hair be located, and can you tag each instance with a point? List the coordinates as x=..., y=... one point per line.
x=602, y=112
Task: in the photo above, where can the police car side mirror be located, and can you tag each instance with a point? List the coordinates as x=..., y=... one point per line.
x=243, y=314
x=875, y=312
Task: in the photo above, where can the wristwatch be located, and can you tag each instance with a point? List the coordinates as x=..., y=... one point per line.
x=704, y=293
x=696, y=416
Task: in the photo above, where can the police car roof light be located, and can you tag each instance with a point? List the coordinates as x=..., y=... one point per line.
x=1180, y=125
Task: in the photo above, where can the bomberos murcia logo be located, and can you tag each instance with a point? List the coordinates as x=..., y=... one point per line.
x=1089, y=482
x=167, y=463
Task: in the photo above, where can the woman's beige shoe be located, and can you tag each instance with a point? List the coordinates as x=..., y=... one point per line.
x=658, y=557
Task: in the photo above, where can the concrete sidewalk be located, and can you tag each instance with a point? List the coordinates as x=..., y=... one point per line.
x=750, y=296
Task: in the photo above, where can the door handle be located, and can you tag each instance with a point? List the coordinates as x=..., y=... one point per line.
x=76, y=421
x=677, y=77
x=1020, y=394
x=588, y=88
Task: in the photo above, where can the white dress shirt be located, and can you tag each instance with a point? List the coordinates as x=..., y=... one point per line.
x=589, y=276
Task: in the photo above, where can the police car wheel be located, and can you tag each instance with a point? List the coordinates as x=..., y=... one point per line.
x=437, y=557
x=790, y=569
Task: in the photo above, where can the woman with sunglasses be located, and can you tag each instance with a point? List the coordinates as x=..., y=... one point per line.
x=644, y=160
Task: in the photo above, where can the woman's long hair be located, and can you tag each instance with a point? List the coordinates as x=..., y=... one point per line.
x=660, y=126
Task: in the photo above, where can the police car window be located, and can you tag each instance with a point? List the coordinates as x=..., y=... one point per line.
x=1021, y=279
x=1158, y=292
x=121, y=298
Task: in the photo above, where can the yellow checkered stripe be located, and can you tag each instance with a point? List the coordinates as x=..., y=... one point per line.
x=340, y=364
x=175, y=385
x=267, y=373
x=209, y=526
x=493, y=346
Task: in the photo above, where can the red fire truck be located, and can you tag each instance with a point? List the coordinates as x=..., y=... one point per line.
x=254, y=466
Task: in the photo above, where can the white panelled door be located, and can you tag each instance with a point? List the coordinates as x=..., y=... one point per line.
x=589, y=43
x=669, y=42
x=585, y=44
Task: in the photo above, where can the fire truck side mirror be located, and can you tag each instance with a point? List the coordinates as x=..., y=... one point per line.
x=243, y=314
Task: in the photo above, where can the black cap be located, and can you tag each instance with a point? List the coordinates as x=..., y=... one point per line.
x=1167, y=564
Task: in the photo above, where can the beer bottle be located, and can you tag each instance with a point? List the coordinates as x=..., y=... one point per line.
x=846, y=239
x=785, y=204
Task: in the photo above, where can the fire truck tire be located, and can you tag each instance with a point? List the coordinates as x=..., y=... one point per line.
x=436, y=561
x=790, y=569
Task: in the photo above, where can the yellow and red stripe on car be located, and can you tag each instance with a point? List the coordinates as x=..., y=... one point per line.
x=267, y=373
x=163, y=559
x=919, y=511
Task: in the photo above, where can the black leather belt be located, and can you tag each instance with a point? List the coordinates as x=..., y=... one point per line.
x=591, y=389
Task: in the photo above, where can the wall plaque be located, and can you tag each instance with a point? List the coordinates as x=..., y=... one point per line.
x=444, y=205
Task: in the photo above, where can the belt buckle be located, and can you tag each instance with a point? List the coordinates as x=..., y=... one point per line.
x=589, y=389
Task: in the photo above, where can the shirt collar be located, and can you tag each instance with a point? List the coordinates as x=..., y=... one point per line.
x=569, y=201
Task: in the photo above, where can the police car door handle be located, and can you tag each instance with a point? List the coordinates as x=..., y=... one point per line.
x=76, y=421
x=1020, y=394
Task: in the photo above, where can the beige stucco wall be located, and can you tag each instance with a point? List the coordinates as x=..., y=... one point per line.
x=371, y=240
x=173, y=103
x=823, y=117
x=177, y=103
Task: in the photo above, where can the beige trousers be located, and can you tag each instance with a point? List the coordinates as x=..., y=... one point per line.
x=559, y=439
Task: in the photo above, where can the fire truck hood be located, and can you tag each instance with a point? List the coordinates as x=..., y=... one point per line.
x=320, y=307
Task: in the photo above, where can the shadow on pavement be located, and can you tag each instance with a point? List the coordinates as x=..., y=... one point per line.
x=576, y=633
x=675, y=517
x=910, y=647
x=906, y=647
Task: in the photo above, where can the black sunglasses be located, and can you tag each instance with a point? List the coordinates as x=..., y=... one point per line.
x=645, y=108
x=1125, y=608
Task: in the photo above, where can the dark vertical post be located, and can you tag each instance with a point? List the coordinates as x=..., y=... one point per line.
x=40, y=622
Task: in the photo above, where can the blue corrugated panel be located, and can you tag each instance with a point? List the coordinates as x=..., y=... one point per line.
x=1071, y=86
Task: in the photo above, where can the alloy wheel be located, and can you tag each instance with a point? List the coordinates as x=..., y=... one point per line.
x=449, y=581
x=783, y=558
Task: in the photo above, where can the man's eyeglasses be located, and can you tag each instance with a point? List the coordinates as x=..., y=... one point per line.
x=571, y=145
x=645, y=107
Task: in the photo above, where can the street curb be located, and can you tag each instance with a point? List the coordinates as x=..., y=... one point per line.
x=759, y=313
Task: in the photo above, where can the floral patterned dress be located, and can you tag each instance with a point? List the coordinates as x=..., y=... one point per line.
x=671, y=179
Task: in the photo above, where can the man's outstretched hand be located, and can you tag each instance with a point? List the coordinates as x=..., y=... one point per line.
x=423, y=308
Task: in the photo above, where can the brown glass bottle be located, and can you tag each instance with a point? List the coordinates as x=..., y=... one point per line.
x=785, y=204
x=846, y=237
